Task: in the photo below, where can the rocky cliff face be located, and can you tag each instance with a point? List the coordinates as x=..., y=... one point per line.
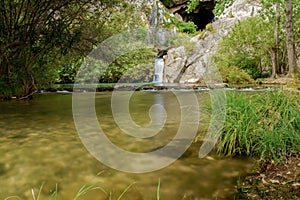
x=182, y=66
x=155, y=11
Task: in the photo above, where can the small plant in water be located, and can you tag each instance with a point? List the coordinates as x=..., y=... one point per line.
x=34, y=196
x=158, y=190
x=82, y=191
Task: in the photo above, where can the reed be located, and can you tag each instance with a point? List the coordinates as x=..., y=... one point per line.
x=264, y=125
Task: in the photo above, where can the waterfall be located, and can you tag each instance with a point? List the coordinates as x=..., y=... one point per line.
x=158, y=70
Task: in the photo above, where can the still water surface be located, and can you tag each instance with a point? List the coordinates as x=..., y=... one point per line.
x=39, y=145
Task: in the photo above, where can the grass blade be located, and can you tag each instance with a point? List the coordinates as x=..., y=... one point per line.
x=123, y=193
x=53, y=196
x=158, y=190
x=12, y=197
x=84, y=189
x=39, y=193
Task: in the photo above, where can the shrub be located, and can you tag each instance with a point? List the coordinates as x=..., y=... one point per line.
x=247, y=46
x=235, y=75
x=185, y=27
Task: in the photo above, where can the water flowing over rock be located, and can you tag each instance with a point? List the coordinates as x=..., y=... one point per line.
x=183, y=66
x=158, y=70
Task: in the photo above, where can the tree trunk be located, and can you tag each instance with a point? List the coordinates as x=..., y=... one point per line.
x=275, y=68
x=290, y=38
x=274, y=58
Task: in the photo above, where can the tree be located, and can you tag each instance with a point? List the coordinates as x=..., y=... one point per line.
x=264, y=40
x=290, y=38
x=274, y=10
x=35, y=33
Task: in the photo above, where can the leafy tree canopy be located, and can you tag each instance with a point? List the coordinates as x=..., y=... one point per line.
x=40, y=39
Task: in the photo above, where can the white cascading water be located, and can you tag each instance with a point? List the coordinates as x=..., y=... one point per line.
x=158, y=70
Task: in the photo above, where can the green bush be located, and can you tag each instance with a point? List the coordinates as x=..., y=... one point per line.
x=235, y=75
x=265, y=125
x=247, y=46
x=187, y=27
x=184, y=27
x=128, y=67
x=249, y=64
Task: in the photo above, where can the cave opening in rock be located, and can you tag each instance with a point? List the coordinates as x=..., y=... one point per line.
x=202, y=18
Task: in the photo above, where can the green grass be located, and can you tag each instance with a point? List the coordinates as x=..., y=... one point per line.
x=264, y=125
x=82, y=191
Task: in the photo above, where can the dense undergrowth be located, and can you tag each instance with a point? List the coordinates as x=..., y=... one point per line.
x=262, y=125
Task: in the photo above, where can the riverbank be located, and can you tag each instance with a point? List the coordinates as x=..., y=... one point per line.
x=272, y=181
x=287, y=84
x=270, y=133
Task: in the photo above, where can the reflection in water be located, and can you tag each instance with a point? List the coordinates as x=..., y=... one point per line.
x=39, y=144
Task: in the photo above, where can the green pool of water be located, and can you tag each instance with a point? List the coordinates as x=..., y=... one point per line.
x=39, y=145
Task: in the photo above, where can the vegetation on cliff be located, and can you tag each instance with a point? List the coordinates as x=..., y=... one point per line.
x=260, y=45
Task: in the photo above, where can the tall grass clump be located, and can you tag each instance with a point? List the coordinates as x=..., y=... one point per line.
x=264, y=125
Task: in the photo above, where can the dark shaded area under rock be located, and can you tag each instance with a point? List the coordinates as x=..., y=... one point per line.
x=201, y=16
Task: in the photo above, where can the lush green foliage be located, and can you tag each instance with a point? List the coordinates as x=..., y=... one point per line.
x=116, y=23
x=192, y=5
x=32, y=33
x=42, y=42
x=235, y=75
x=184, y=27
x=131, y=67
x=247, y=47
x=251, y=44
x=266, y=126
x=297, y=25
x=283, y=14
